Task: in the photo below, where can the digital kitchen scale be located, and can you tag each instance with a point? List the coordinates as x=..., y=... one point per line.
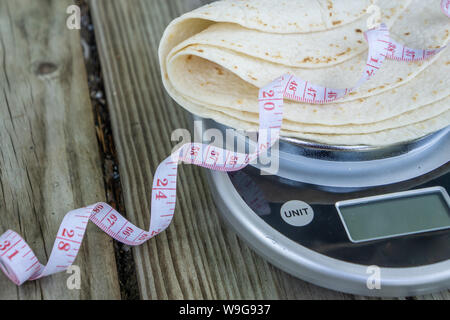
x=362, y=220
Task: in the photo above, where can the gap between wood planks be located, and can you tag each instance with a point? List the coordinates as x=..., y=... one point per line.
x=124, y=256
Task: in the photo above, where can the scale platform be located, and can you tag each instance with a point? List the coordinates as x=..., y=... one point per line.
x=361, y=220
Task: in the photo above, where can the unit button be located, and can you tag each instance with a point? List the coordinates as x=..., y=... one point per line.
x=297, y=213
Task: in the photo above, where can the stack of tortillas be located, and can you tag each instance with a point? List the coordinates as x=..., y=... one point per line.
x=215, y=58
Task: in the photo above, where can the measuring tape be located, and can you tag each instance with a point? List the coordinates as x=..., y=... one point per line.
x=20, y=264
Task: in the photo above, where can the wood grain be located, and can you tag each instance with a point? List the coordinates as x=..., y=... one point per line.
x=197, y=257
x=49, y=159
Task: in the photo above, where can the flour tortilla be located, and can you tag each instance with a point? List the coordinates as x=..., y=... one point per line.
x=230, y=92
x=214, y=60
x=385, y=137
x=426, y=112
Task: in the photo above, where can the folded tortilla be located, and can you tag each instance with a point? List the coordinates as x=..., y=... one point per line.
x=214, y=60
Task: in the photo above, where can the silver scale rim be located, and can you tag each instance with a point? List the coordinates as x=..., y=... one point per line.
x=314, y=267
x=353, y=167
x=317, y=268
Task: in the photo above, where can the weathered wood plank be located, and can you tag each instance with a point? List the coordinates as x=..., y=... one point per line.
x=197, y=257
x=49, y=159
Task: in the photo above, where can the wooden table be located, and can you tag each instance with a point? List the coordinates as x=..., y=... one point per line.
x=51, y=161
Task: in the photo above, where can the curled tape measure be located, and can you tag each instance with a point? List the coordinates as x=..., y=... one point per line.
x=20, y=264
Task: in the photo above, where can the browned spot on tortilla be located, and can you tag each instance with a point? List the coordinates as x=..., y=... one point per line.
x=200, y=50
x=407, y=33
x=235, y=67
x=259, y=21
x=189, y=57
x=399, y=79
x=378, y=103
x=361, y=100
x=239, y=102
x=346, y=51
x=252, y=77
x=414, y=97
x=358, y=30
x=435, y=92
x=331, y=14
x=371, y=89
x=323, y=59
x=352, y=93
x=219, y=71
x=447, y=63
x=359, y=41
x=334, y=23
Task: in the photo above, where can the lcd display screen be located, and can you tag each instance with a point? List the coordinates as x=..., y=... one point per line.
x=396, y=214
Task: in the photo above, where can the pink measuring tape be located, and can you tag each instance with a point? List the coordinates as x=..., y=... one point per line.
x=18, y=261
